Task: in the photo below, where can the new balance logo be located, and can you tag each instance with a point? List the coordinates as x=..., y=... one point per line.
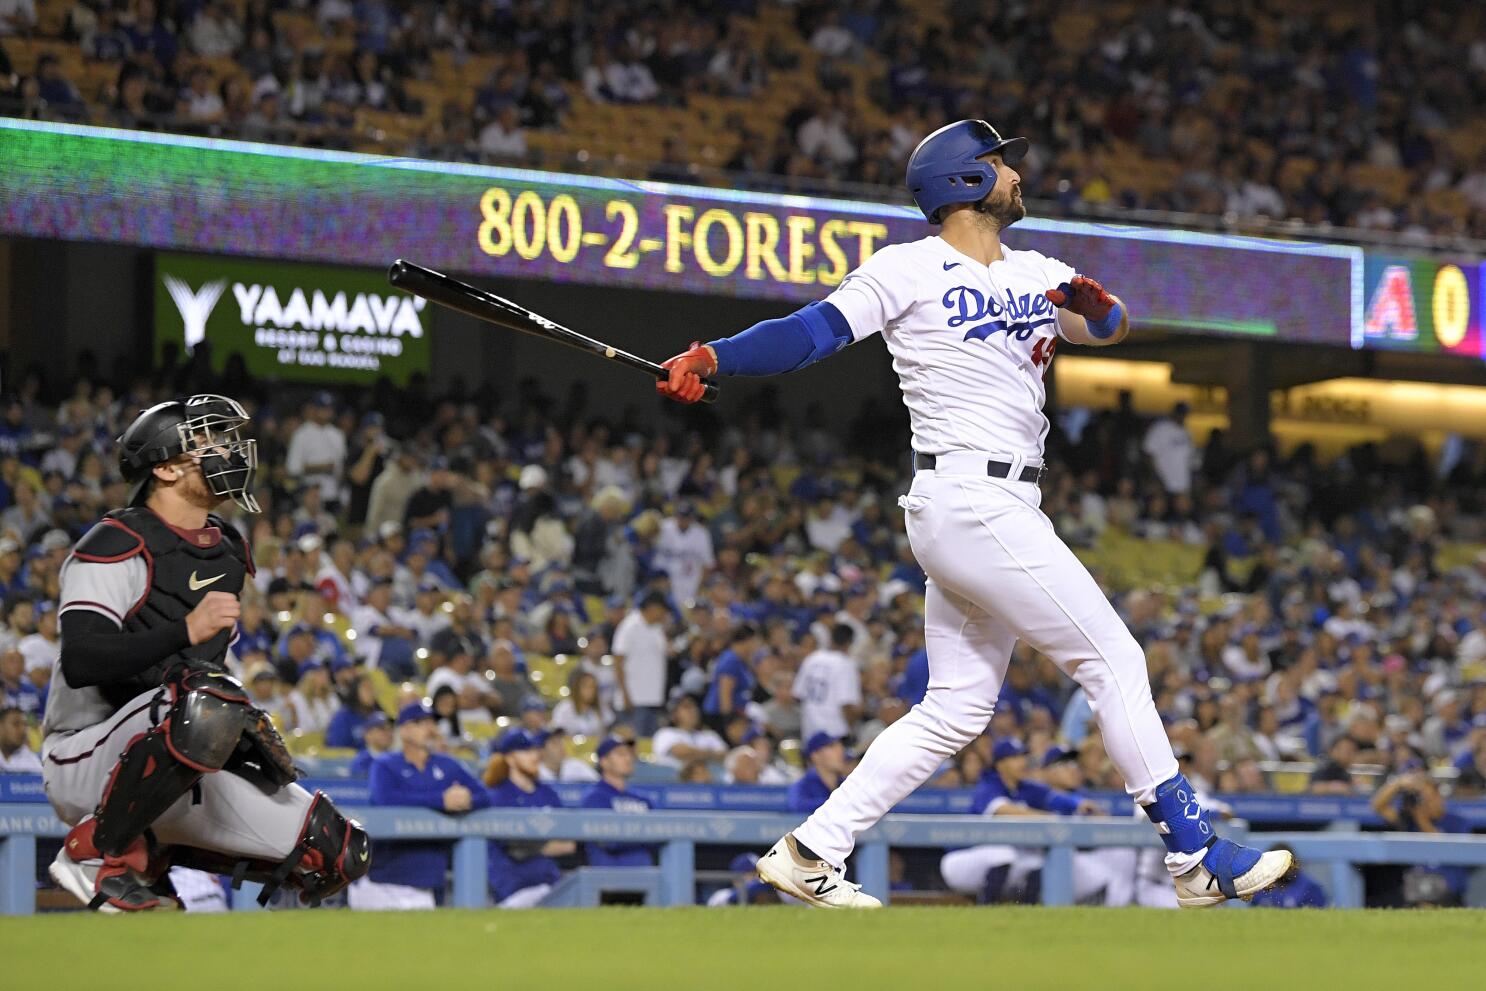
x=822, y=884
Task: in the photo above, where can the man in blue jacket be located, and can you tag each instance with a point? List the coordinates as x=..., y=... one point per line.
x=1006, y=788
x=411, y=875
x=522, y=872
x=616, y=757
x=376, y=740
x=826, y=755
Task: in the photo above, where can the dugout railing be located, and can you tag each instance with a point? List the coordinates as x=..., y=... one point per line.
x=1332, y=856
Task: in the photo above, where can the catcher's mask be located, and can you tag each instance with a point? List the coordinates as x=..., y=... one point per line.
x=206, y=428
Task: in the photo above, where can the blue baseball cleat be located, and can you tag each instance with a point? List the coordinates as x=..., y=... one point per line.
x=1232, y=871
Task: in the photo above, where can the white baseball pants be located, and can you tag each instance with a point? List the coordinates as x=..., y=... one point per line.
x=1109, y=871
x=198, y=890
x=997, y=573
x=526, y=897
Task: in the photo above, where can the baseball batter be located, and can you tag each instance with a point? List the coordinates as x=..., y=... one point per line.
x=153, y=753
x=972, y=326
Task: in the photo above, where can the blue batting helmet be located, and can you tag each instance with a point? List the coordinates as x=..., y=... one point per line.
x=945, y=168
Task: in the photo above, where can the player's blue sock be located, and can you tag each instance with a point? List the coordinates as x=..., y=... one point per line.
x=806, y=850
x=1183, y=823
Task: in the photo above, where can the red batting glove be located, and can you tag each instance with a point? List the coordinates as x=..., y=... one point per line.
x=1084, y=296
x=684, y=383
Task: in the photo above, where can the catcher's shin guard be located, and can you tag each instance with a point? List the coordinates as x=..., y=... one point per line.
x=332, y=852
x=146, y=781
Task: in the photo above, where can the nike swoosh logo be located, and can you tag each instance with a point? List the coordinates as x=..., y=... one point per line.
x=950, y=265
x=197, y=585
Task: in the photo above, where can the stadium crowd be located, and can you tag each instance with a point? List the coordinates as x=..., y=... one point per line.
x=719, y=592
x=1361, y=116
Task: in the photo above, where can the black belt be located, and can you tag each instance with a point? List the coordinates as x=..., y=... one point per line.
x=995, y=469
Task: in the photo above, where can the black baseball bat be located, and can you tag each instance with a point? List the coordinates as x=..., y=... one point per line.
x=502, y=312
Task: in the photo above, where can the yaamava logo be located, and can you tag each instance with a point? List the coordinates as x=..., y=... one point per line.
x=366, y=313
x=262, y=306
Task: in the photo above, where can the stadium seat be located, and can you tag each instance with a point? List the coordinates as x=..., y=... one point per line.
x=300, y=742
x=582, y=747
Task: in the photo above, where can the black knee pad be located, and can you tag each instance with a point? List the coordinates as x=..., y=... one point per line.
x=204, y=730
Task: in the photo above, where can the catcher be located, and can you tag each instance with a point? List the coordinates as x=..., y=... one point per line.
x=153, y=752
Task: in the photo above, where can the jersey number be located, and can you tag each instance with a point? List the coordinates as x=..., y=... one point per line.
x=1042, y=353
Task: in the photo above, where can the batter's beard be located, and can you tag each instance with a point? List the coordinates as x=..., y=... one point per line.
x=1003, y=213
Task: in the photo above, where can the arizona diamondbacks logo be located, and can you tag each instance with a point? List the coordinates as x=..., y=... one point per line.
x=196, y=307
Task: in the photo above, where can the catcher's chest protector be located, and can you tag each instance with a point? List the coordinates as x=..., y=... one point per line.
x=181, y=573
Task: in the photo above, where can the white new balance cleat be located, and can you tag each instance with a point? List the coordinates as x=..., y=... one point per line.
x=1231, y=871
x=78, y=879
x=814, y=882
x=111, y=885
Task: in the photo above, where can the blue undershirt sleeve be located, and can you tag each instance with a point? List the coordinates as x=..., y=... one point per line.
x=771, y=347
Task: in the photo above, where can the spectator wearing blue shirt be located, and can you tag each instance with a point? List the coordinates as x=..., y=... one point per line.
x=1302, y=891
x=348, y=725
x=616, y=758
x=255, y=634
x=1021, y=694
x=521, y=873
x=913, y=684
x=827, y=757
x=733, y=678
x=996, y=872
x=1471, y=763
x=10, y=558
x=16, y=690
x=302, y=643
x=411, y=875
x=15, y=432
x=376, y=740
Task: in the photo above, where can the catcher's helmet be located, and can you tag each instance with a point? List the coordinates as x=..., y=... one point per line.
x=205, y=427
x=946, y=168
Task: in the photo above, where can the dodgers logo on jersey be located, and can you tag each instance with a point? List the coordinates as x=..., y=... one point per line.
x=1016, y=315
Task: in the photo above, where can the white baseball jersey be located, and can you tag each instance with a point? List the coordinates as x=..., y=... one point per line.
x=827, y=680
x=970, y=342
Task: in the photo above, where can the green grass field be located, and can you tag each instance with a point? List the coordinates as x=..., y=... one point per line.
x=762, y=949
